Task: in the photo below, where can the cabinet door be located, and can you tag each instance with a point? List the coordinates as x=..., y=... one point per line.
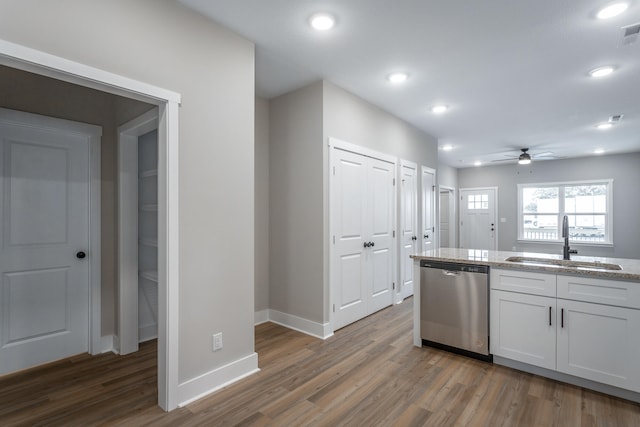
x=600, y=343
x=523, y=328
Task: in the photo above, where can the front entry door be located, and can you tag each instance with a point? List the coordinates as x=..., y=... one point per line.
x=478, y=223
x=44, y=215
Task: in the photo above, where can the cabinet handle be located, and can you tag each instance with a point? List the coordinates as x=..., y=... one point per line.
x=562, y=317
x=549, y=315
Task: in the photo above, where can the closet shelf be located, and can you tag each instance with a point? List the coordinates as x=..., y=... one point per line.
x=149, y=208
x=150, y=275
x=149, y=174
x=148, y=242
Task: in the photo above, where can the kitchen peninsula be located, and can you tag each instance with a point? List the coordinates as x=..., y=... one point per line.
x=576, y=321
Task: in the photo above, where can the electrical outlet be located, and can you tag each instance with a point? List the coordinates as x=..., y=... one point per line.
x=217, y=341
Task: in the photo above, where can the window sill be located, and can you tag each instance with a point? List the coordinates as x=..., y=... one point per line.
x=571, y=242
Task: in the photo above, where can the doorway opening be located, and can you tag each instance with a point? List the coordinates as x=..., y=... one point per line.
x=21, y=58
x=447, y=215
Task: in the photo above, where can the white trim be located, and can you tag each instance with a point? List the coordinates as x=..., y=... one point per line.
x=364, y=151
x=212, y=381
x=260, y=317
x=453, y=224
x=128, y=135
x=147, y=333
x=107, y=344
x=306, y=326
x=562, y=211
x=93, y=135
x=32, y=60
x=42, y=63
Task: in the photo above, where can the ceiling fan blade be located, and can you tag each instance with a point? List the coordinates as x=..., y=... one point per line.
x=544, y=154
x=504, y=160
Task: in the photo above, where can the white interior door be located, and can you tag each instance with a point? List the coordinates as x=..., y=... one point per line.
x=44, y=188
x=382, y=202
x=348, y=220
x=408, y=224
x=362, y=216
x=478, y=218
x=428, y=208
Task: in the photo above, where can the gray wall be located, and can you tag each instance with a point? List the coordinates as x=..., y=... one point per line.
x=165, y=44
x=261, y=221
x=295, y=203
x=447, y=176
x=300, y=124
x=624, y=169
x=352, y=119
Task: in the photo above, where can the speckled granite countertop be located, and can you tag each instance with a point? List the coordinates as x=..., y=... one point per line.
x=630, y=267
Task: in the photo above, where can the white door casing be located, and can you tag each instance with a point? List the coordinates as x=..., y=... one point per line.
x=42, y=63
x=362, y=218
x=50, y=243
x=128, y=135
x=408, y=224
x=478, y=218
x=428, y=226
x=447, y=215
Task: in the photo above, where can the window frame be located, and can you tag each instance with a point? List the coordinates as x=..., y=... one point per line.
x=608, y=229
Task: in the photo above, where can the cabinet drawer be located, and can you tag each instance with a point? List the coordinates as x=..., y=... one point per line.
x=601, y=291
x=524, y=282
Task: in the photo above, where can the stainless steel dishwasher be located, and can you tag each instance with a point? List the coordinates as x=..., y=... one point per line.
x=454, y=307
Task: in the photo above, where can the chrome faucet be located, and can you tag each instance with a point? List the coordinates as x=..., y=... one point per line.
x=567, y=251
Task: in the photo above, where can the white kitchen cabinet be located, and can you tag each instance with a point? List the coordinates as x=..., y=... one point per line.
x=523, y=328
x=581, y=326
x=599, y=342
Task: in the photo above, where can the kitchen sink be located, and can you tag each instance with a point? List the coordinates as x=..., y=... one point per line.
x=596, y=265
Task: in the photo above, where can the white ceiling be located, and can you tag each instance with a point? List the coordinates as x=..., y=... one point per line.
x=514, y=72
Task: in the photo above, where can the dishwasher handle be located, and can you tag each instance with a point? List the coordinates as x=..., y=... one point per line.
x=450, y=273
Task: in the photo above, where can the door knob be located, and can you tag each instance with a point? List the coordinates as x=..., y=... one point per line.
x=366, y=244
x=426, y=236
x=81, y=255
x=371, y=244
x=414, y=238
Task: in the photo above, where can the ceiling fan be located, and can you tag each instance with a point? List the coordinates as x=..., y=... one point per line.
x=525, y=158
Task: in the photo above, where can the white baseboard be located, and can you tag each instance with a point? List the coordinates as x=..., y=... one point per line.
x=309, y=327
x=261, y=316
x=212, y=381
x=147, y=333
x=107, y=344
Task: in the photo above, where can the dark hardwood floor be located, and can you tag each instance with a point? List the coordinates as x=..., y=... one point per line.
x=368, y=374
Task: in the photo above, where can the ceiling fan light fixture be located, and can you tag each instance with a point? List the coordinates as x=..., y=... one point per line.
x=322, y=21
x=612, y=10
x=604, y=126
x=602, y=71
x=524, y=158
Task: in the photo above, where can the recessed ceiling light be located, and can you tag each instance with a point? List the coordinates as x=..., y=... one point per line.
x=612, y=10
x=397, y=77
x=601, y=71
x=322, y=21
x=477, y=163
x=447, y=147
x=598, y=151
x=603, y=126
x=438, y=109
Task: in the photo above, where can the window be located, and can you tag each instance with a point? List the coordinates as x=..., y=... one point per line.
x=588, y=206
x=478, y=201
